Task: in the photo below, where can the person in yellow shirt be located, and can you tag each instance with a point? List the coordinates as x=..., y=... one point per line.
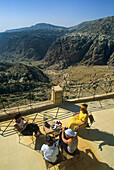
x=79, y=119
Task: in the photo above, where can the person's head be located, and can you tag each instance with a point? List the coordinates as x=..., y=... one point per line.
x=69, y=133
x=49, y=141
x=18, y=117
x=84, y=106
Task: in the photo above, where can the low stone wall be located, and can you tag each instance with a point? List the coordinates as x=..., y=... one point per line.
x=92, y=98
x=56, y=100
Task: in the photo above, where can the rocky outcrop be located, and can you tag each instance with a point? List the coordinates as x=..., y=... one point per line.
x=111, y=60
x=27, y=45
x=103, y=26
x=89, y=43
x=81, y=48
x=20, y=78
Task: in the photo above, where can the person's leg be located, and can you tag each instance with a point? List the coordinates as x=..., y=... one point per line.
x=60, y=137
x=27, y=130
x=64, y=146
x=35, y=128
x=39, y=132
x=74, y=125
x=74, y=121
x=76, y=152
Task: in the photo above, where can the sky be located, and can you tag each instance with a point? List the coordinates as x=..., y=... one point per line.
x=25, y=13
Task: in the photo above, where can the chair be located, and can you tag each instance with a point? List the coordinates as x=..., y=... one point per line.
x=91, y=120
x=20, y=135
x=7, y=125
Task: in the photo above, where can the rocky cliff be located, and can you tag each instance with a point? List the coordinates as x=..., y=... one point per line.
x=29, y=45
x=102, y=26
x=90, y=43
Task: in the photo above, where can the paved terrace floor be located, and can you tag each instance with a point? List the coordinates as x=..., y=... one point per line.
x=96, y=145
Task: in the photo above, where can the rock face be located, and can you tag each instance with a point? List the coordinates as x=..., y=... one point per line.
x=27, y=45
x=90, y=43
x=81, y=48
x=111, y=60
x=28, y=72
x=103, y=26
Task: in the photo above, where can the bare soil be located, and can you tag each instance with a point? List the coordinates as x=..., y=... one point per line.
x=79, y=74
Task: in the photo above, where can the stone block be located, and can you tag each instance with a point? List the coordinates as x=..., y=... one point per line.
x=57, y=95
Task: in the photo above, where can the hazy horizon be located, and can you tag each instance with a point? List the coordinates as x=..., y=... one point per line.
x=16, y=14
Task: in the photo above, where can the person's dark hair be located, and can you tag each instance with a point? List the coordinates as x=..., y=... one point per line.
x=18, y=115
x=49, y=140
x=84, y=108
x=85, y=105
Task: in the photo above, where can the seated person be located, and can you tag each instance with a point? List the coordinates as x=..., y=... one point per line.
x=79, y=119
x=68, y=140
x=26, y=128
x=50, y=150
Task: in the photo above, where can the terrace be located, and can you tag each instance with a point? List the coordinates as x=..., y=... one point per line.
x=95, y=144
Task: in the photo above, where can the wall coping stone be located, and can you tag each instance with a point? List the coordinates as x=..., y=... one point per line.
x=40, y=106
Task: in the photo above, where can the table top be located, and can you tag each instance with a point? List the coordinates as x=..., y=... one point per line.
x=50, y=130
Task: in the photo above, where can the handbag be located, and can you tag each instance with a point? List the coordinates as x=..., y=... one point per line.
x=91, y=118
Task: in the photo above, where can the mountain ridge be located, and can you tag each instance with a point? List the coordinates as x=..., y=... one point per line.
x=51, y=26
x=101, y=25
x=88, y=43
x=36, y=27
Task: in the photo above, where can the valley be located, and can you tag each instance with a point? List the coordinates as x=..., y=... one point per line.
x=33, y=59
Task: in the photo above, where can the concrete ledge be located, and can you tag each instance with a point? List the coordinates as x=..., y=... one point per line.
x=29, y=109
x=25, y=109
x=92, y=98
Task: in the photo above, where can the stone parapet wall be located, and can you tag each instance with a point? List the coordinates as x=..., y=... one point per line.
x=56, y=100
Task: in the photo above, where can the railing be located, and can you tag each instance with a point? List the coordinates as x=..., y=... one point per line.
x=102, y=85
x=42, y=92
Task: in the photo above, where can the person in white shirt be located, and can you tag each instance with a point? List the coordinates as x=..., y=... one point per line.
x=50, y=150
x=22, y=125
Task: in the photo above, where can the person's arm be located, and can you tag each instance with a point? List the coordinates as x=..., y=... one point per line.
x=57, y=151
x=25, y=119
x=80, y=125
x=42, y=148
x=22, y=128
x=25, y=124
x=18, y=128
x=76, y=113
x=63, y=139
x=83, y=121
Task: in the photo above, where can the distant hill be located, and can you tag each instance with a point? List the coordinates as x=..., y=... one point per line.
x=89, y=43
x=27, y=45
x=42, y=26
